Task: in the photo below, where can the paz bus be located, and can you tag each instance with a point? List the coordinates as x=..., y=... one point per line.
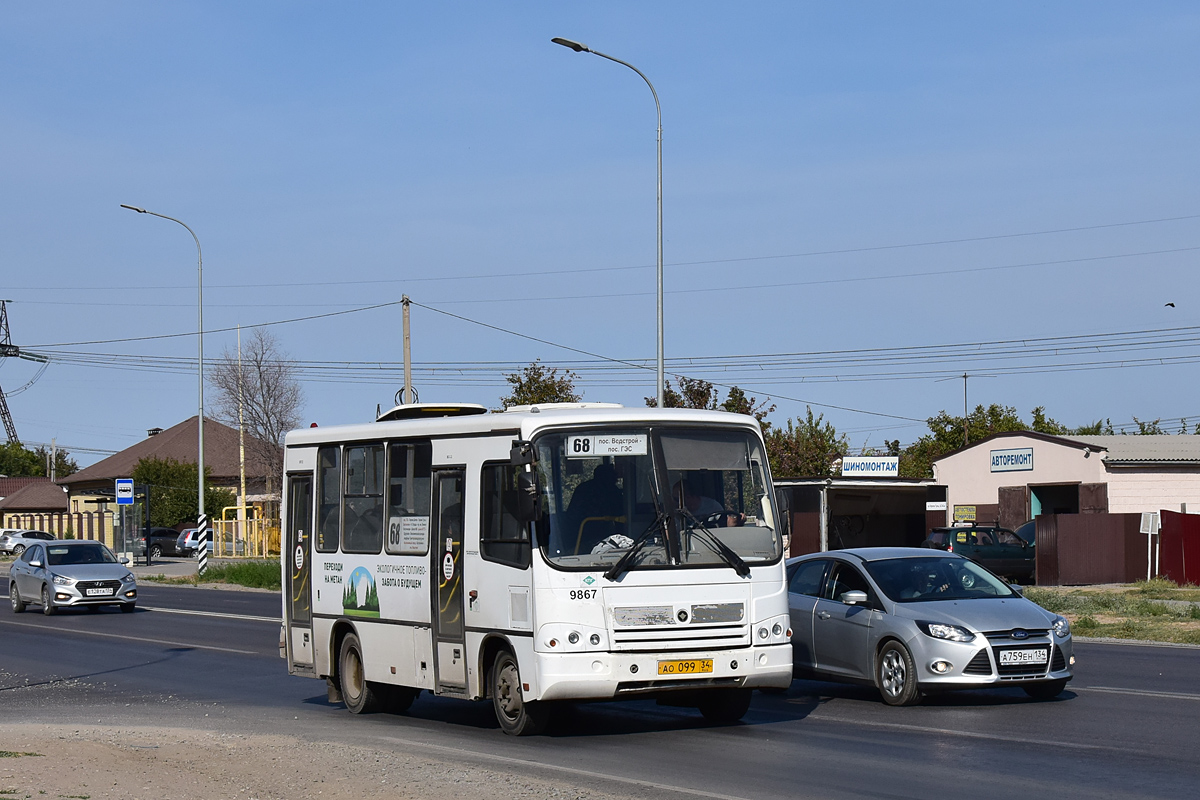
x=558, y=552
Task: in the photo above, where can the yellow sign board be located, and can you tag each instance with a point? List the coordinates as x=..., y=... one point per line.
x=964, y=513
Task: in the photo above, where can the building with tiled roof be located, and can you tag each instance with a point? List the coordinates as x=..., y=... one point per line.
x=42, y=496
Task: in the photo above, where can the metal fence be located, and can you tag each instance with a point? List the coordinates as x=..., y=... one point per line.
x=252, y=538
x=95, y=525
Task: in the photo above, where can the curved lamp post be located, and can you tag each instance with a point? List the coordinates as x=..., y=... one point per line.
x=583, y=48
x=201, y=521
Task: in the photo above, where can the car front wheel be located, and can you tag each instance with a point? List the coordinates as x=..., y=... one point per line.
x=896, y=675
x=156, y=552
x=517, y=717
x=47, y=601
x=18, y=605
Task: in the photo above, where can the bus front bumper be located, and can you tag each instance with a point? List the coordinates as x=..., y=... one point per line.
x=602, y=675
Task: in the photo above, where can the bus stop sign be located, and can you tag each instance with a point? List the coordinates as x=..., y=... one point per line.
x=124, y=491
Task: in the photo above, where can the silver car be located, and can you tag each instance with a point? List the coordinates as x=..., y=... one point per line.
x=68, y=574
x=912, y=621
x=13, y=541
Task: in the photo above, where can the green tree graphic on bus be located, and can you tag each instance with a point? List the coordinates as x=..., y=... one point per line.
x=361, y=599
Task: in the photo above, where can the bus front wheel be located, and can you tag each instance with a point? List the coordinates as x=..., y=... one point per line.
x=357, y=693
x=724, y=706
x=517, y=717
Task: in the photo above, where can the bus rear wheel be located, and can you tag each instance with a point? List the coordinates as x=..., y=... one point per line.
x=517, y=717
x=724, y=706
x=357, y=692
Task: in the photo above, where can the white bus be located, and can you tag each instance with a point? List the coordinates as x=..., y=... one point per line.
x=559, y=552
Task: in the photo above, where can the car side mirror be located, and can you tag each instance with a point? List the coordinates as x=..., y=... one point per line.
x=1017, y=588
x=35, y=563
x=124, y=560
x=528, y=500
x=854, y=598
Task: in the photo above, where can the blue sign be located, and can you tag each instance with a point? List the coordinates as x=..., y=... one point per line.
x=124, y=491
x=1019, y=459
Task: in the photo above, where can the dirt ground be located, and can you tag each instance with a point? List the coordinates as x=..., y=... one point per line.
x=157, y=763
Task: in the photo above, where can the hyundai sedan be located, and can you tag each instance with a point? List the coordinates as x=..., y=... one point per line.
x=70, y=574
x=911, y=621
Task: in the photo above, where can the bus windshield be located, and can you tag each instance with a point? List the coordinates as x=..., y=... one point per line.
x=675, y=496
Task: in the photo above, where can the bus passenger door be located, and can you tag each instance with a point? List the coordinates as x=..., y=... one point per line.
x=450, y=643
x=299, y=549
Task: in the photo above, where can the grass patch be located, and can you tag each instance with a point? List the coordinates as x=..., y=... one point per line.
x=254, y=574
x=1134, y=611
x=15, y=754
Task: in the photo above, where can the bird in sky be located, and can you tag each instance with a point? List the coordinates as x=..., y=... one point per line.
x=1172, y=305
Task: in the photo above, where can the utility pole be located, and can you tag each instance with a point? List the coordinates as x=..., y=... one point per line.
x=405, y=302
x=7, y=349
x=966, y=434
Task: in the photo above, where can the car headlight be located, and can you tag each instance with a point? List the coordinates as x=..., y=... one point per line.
x=63, y=580
x=128, y=578
x=1062, y=628
x=940, y=630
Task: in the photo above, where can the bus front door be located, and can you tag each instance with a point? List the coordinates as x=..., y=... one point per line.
x=450, y=644
x=299, y=550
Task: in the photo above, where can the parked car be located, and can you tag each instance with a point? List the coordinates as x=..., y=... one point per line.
x=911, y=621
x=15, y=542
x=162, y=542
x=999, y=549
x=188, y=542
x=70, y=574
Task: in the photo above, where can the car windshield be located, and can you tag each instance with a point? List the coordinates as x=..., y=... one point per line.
x=913, y=580
x=703, y=500
x=65, y=555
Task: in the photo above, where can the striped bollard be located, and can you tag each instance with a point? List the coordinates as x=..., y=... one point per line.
x=202, y=545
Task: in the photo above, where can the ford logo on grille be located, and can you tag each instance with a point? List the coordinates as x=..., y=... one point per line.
x=1018, y=633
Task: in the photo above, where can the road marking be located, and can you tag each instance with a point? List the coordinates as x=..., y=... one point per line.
x=49, y=629
x=222, y=615
x=972, y=734
x=524, y=762
x=1138, y=692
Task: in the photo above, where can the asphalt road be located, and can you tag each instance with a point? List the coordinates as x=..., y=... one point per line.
x=1128, y=726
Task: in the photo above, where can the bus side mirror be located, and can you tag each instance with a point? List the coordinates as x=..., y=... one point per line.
x=528, y=500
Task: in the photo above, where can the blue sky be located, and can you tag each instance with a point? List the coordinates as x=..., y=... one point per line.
x=332, y=157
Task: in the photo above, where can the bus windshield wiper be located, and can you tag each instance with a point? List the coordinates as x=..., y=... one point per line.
x=714, y=541
x=626, y=560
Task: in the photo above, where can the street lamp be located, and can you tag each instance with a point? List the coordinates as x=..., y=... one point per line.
x=201, y=521
x=583, y=48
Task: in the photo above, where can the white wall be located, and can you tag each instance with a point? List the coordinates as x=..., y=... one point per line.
x=1137, y=489
x=970, y=481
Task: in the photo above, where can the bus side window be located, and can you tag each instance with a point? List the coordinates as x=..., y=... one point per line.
x=502, y=537
x=329, y=492
x=409, y=498
x=362, y=523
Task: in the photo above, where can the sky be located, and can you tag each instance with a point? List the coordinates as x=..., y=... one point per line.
x=860, y=201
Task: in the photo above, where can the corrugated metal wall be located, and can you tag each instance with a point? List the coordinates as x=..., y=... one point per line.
x=1179, y=554
x=1080, y=549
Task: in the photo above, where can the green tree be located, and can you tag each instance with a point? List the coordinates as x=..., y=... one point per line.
x=699, y=393
x=807, y=448
x=538, y=383
x=18, y=461
x=173, y=491
x=1149, y=428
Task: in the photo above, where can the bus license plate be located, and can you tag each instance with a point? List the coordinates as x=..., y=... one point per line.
x=1039, y=656
x=99, y=592
x=690, y=667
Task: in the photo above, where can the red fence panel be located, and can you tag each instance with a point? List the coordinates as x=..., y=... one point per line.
x=1179, y=549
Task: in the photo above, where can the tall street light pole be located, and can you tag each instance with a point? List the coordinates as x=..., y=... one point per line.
x=583, y=48
x=201, y=520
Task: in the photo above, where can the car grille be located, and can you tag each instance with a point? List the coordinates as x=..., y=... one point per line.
x=1008, y=634
x=83, y=586
x=979, y=665
x=703, y=626
x=1020, y=671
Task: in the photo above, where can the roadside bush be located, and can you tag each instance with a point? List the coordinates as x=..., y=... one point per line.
x=255, y=574
x=1085, y=624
